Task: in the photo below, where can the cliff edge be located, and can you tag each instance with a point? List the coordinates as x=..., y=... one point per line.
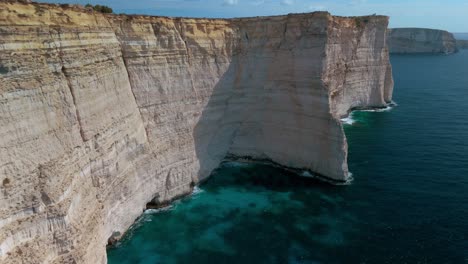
x=101, y=114
x=421, y=40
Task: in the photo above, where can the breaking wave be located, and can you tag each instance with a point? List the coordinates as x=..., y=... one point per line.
x=155, y=211
x=197, y=190
x=389, y=107
x=349, y=120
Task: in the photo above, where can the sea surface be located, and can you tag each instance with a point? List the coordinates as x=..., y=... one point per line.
x=408, y=202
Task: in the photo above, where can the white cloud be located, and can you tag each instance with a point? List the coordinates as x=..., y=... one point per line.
x=287, y=2
x=230, y=2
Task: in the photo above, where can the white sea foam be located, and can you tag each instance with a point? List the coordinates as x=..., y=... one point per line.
x=389, y=107
x=155, y=211
x=233, y=164
x=348, y=120
x=350, y=179
x=197, y=190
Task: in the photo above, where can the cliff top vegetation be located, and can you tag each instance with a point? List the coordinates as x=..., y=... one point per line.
x=100, y=8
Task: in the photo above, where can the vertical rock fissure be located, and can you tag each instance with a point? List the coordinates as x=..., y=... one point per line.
x=178, y=29
x=63, y=70
x=285, y=29
x=72, y=92
x=130, y=83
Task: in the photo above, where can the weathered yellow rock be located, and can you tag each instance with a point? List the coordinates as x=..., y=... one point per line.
x=99, y=114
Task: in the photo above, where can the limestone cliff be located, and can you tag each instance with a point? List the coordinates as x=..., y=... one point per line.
x=462, y=44
x=100, y=114
x=421, y=40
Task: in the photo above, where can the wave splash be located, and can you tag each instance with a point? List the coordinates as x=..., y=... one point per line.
x=195, y=192
x=155, y=211
x=349, y=120
x=387, y=108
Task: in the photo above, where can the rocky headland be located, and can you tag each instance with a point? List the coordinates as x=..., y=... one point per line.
x=421, y=40
x=102, y=114
x=462, y=44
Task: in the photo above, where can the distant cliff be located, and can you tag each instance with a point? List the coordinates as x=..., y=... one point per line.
x=462, y=44
x=421, y=40
x=101, y=114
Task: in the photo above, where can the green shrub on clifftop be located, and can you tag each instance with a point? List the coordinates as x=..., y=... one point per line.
x=361, y=21
x=100, y=8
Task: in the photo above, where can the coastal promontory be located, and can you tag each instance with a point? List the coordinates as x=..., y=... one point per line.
x=101, y=114
x=462, y=44
x=421, y=40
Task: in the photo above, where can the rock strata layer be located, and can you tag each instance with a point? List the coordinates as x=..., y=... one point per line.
x=421, y=40
x=101, y=114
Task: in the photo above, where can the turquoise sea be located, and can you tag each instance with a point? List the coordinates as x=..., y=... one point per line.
x=408, y=202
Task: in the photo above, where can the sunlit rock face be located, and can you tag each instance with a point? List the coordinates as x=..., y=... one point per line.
x=421, y=40
x=100, y=114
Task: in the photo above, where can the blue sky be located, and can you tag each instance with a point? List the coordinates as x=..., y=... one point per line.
x=451, y=15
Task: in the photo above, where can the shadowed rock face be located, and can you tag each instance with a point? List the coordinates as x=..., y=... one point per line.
x=421, y=40
x=101, y=114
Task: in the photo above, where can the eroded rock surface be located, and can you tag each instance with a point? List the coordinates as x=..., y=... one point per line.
x=421, y=40
x=101, y=114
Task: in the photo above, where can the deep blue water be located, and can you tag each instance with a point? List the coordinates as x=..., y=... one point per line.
x=408, y=202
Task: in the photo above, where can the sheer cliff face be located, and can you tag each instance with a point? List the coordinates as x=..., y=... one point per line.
x=101, y=114
x=421, y=40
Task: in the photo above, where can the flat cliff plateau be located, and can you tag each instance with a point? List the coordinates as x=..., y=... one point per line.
x=101, y=114
x=421, y=40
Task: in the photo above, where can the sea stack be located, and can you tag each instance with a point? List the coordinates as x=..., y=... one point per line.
x=421, y=40
x=101, y=114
